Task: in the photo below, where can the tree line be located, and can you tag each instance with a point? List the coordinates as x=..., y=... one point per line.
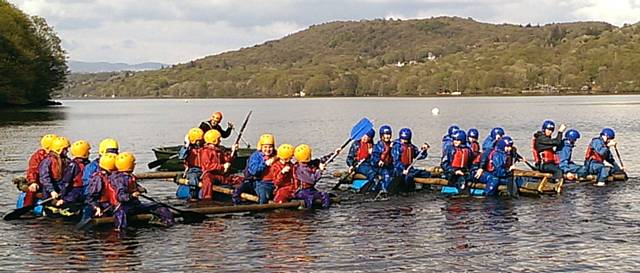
x=32, y=61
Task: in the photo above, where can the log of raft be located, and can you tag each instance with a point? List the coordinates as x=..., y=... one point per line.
x=157, y=175
x=211, y=211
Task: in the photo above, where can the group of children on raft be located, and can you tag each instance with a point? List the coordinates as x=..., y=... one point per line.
x=106, y=185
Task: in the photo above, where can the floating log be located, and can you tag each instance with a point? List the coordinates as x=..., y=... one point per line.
x=157, y=175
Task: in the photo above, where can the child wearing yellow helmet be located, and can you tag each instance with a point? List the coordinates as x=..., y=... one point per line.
x=257, y=174
x=190, y=154
x=216, y=161
x=32, y=168
x=71, y=188
x=127, y=192
x=100, y=194
x=106, y=146
x=308, y=173
x=52, y=167
x=283, y=175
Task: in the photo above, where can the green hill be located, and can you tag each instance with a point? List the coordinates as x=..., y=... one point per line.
x=400, y=58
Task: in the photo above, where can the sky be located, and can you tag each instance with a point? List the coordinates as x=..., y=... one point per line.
x=177, y=31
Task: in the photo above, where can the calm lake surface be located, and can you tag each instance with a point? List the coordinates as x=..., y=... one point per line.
x=584, y=229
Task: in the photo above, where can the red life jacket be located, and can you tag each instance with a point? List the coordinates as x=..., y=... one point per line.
x=592, y=154
x=385, y=156
x=193, y=157
x=460, y=158
x=490, y=167
x=56, y=167
x=363, y=151
x=546, y=156
x=476, y=155
x=267, y=174
x=132, y=186
x=406, y=154
x=108, y=192
x=34, y=162
x=77, y=179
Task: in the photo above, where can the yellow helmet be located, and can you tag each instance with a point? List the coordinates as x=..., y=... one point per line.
x=195, y=134
x=285, y=151
x=80, y=149
x=125, y=162
x=266, y=139
x=108, y=161
x=108, y=144
x=46, y=141
x=217, y=116
x=212, y=137
x=59, y=144
x=303, y=153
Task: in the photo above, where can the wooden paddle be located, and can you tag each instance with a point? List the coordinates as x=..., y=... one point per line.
x=187, y=216
x=358, y=131
x=16, y=213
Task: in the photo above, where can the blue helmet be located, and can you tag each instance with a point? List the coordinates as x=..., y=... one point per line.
x=503, y=143
x=405, y=133
x=473, y=132
x=509, y=140
x=385, y=130
x=608, y=132
x=371, y=133
x=572, y=135
x=460, y=135
x=452, y=129
x=548, y=124
x=498, y=131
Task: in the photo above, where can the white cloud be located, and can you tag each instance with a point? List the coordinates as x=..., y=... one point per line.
x=178, y=31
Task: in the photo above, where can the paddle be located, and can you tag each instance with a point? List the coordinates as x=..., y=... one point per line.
x=358, y=131
x=618, y=154
x=349, y=175
x=244, y=126
x=512, y=187
x=158, y=162
x=16, y=213
x=187, y=216
x=86, y=221
x=243, y=140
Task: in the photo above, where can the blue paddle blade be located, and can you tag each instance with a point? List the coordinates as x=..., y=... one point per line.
x=361, y=128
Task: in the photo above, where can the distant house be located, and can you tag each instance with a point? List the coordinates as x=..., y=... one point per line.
x=431, y=57
x=400, y=64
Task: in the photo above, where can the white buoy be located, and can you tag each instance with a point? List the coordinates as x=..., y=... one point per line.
x=435, y=111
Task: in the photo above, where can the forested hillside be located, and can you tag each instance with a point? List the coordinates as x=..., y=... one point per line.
x=400, y=58
x=32, y=63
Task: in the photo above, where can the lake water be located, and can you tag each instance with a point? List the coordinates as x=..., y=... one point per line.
x=586, y=228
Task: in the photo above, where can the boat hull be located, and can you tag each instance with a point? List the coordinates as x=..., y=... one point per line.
x=175, y=164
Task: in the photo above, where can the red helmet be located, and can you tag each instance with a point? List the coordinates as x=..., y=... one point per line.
x=217, y=116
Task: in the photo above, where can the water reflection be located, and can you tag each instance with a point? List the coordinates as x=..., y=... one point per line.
x=27, y=116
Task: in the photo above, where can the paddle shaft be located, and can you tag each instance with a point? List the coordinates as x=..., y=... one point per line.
x=160, y=203
x=15, y=214
x=336, y=154
x=350, y=174
x=242, y=138
x=618, y=154
x=244, y=126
